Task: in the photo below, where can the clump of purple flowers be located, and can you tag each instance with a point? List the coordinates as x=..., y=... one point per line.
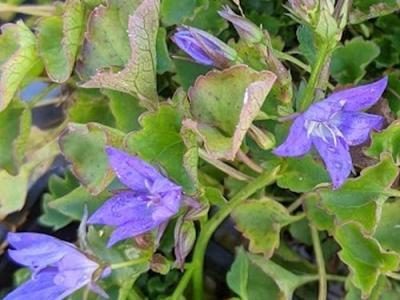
x=333, y=125
x=151, y=201
x=58, y=268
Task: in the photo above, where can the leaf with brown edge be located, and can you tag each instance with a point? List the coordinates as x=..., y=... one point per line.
x=224, y=105
x=59, y=39
x=138, y=77
x=83, y=146
x=364, y=255
x=261, y=221
x=19, y=60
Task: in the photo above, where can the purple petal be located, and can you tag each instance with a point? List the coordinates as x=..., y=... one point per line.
x=132, y=229
x=132, y=171
x=122, y=208
x=169, y=205
x=41, y=287
x=323, y=111
x=337, y=158
x=361, y=97
x=297, y=143
x=98, y=290
x=36, y=250
x=186, y=41
x=356, y=126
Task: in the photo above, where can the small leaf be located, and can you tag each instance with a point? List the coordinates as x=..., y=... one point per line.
x=302, y=174
x=15, y=123
x=164, y=62
x=349, y=62
x=19, y=60
x=224, y=105
x=261, y=221
x=59, y=39
x=84, y=147
x=364, y=256
x=388, y=230
x=387, y=140
x=317, y=214
x=249, y=282
x=175, y=11
x=360, y=199
x=306, y=47
x=138, y=77
x=159, y=142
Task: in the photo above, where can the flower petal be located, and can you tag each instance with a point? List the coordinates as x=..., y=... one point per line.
x=132, y=171
x=356, y=126
x=297, y=143
x=361, y=97
x=336, y=157
x=132, y=229
x=122, y=208
x=41, y=287
x=169, y=205
x=36, y=250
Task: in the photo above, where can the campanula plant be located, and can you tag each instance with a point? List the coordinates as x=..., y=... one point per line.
x=208, y=149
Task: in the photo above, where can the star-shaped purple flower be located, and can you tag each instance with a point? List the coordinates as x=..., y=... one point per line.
x=333, y=125
x=152, y=200
x=58, y=268
x=203, y=47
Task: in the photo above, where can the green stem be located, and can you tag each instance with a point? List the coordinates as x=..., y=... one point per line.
x=180, y=289
x=309, y=91
x=130, y=263
x=322, y=294
x=265, y=179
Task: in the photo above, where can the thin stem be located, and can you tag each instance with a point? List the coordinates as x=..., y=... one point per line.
x=249, y=162
x=227, y=169
x=265, y=179
x=296, y=204
x=130, y=263
x=309, y=92
x=322, y=294
x=180, y=289
x=329, y=277
x=33, y=10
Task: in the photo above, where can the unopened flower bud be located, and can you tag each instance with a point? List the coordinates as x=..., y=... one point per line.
x=204, y=48
x=303, y=8
x=247, y=30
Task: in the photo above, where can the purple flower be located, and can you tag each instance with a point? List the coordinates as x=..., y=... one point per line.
x=247, y=30
x=333, y=125
x=203, y=47
x=58, y=268
x=152, y=200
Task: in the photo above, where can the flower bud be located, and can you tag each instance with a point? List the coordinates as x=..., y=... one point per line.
x=303, y=8
x=247, y=30
x=204, y=48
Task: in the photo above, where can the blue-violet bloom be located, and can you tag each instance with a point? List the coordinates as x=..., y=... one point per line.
x=333, y=125
x=58, y=268
x=151, y=201
x=203, y=47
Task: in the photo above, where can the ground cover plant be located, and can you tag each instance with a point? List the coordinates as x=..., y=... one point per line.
x=199, y=149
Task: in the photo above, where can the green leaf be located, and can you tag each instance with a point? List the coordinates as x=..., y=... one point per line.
x=261, y=221
x=138, y=77
x=224, y=105
x=159, y=142
x=388, y=140
x=349, y=61
x=364, y=256
x=187, y=72
x=19, y=60
x=306, y=40
x=84, y=147
x=316, y=214
x=360, y=199
x=164, y=62
x=249, y=281
x=388, y=229
x=59, y=39
x=176, y=11
x=302, y=174
x=58, y=187
x=15, y=123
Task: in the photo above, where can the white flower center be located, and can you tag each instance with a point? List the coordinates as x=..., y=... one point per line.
x=324, y=130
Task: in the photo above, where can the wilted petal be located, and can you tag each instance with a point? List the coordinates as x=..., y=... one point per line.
x=36, y=250
x=297, y=143
x=41, y=287
x=356, y=126
x=361, y=97
x=336, y=157
x=131, y=229
x=123, y=207
x=132, y=171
